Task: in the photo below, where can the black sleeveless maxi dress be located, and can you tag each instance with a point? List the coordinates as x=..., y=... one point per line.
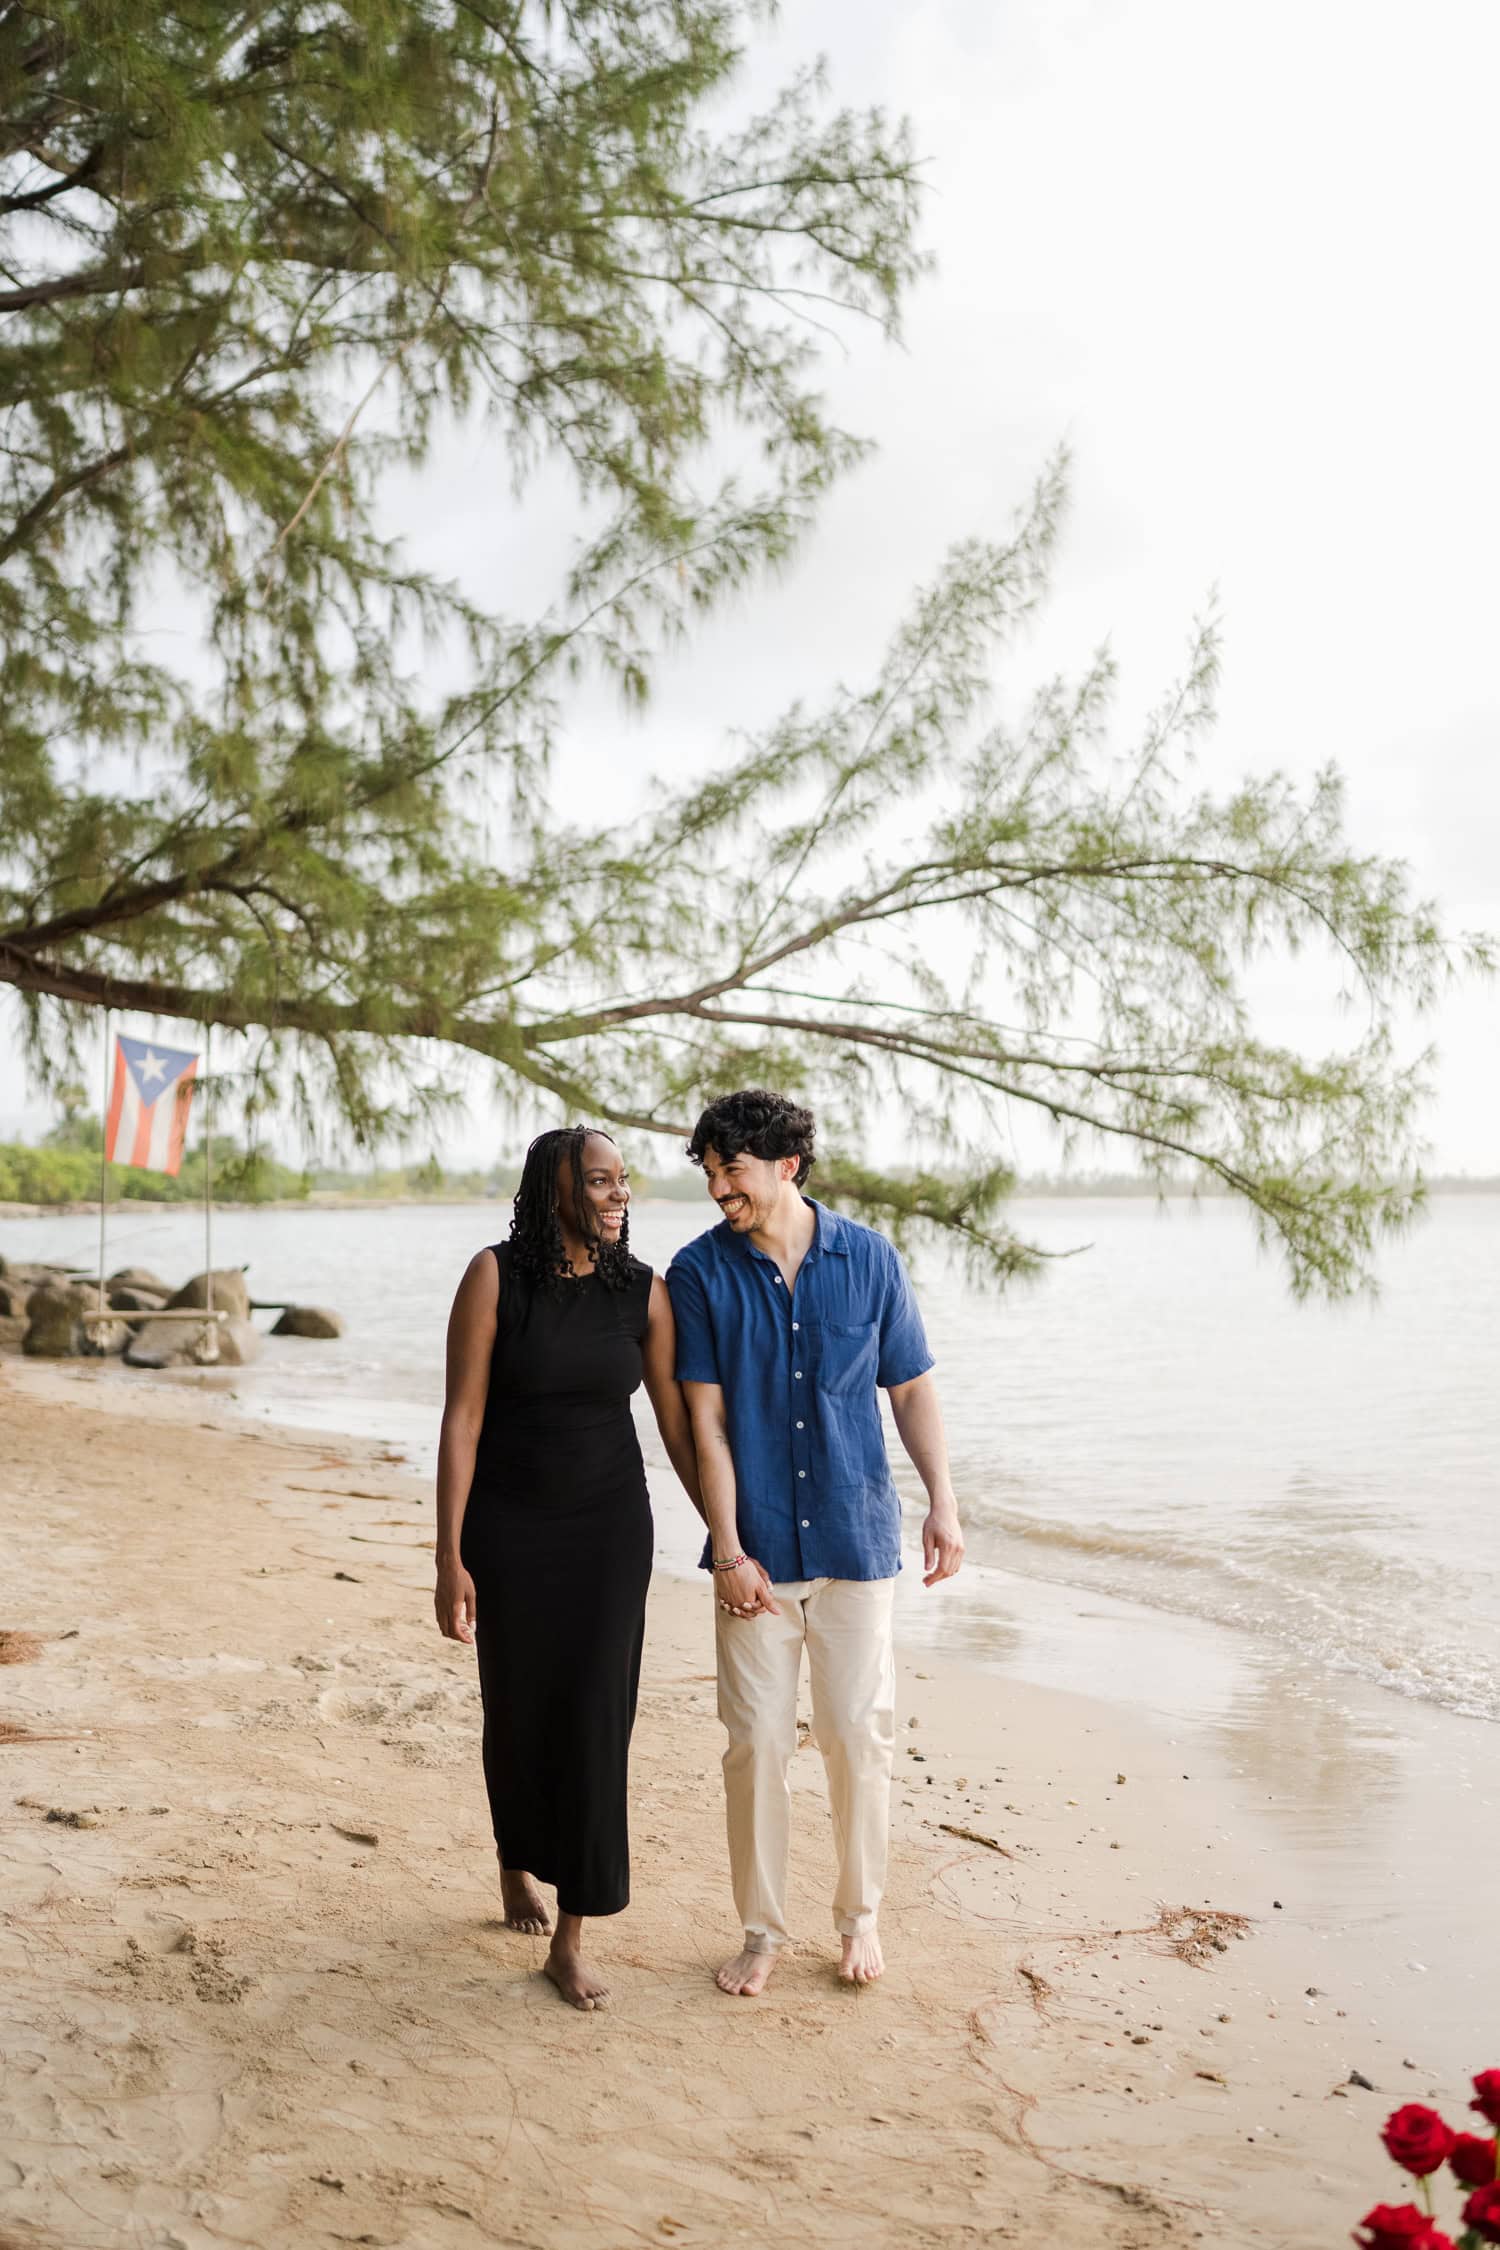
x=557, y=1537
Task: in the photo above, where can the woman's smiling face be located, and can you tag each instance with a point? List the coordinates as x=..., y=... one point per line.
x=606, y=1191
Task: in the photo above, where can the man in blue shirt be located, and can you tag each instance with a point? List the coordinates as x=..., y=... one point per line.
x=790, y=1320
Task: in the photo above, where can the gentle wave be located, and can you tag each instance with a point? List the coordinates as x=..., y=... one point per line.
x=1378, y=1617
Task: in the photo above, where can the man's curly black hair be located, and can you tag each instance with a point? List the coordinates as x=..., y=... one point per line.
x=755, y=1122
x=536, y=1242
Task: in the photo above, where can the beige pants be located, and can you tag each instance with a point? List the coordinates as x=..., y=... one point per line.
x=845, y=1626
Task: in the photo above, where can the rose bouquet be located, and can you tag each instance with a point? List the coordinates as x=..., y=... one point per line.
x=1422, y=2144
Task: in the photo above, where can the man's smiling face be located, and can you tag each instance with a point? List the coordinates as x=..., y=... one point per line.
x=747, y=1188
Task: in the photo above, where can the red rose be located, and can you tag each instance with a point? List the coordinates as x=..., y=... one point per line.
x=1482, y=2211
x=1417, y=2138
x=1472, y=2160
x=1487, y=2096
x=1400, y=2226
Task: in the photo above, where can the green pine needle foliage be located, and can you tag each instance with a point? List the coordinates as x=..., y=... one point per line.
x=250, y=258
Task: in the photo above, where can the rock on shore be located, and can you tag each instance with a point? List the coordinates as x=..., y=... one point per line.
x=231, y=1293
x=55, y=1313
x=48, y=1313
x=140, y=1277
x=309, y=1320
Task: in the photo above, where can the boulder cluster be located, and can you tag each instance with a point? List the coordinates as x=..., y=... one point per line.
x=48, y=1312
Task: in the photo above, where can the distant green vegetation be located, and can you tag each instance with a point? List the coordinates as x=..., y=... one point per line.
x=53, y=1173
x=64, y=1168
x=59, y=1173
x=430, y=1179
x=402, y=1182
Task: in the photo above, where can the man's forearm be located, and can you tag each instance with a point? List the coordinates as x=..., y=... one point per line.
x=919, y=1419
x=720, y=1493
x=919, y=1424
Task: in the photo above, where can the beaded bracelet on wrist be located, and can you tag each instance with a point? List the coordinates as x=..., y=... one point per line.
x=732, y=1562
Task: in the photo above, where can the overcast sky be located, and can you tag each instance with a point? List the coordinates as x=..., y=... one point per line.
x=1242, y=260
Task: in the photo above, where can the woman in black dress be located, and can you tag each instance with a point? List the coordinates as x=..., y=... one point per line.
x=544, y=1528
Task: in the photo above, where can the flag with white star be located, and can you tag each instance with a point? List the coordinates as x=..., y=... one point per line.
x=148, y=1105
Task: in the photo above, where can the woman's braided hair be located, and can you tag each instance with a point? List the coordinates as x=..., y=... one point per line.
x=537, y=1250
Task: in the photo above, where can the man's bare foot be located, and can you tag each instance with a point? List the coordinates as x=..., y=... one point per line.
x=862, y=1960
x=525, y=1909
x=747, y=1973
x=580, y=1986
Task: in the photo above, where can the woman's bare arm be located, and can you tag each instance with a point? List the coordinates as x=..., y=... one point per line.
x=471, y=1340
x=659, y=1359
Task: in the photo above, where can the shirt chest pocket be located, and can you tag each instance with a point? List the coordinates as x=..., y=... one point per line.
x=850, y=1355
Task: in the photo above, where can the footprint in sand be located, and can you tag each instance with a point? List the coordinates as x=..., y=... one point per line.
x=192, y=1667
x=396, y=1701
x=157, y=1959
x=213, y=1979
x=347, y=1705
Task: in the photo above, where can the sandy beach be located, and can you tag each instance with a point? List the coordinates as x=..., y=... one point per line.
x=256, y=1990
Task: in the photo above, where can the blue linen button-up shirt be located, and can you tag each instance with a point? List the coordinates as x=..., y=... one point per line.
x=799, y=1369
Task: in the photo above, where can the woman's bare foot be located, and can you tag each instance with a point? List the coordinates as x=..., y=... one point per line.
x=862, y=1960
x=525, y=1908
x=747, y=1974
x=580, y=1986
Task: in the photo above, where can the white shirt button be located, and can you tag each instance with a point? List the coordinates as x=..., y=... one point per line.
x=777, y=1279
x=796, y=1324
x=802, y=1472
x=806, y=1525
x=801, y=1425
x=797, y=1372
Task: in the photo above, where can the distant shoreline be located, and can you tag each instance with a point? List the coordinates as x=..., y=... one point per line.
x=335, y=1199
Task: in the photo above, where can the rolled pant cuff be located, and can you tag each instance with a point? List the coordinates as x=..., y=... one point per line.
x=855, y=1925
x=764, y=1941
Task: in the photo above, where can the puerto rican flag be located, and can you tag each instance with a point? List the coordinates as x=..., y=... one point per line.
x=149, y=1104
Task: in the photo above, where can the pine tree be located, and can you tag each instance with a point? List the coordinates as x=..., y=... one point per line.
x=251, y=257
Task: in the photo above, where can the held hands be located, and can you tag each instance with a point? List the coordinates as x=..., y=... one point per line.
x=746, y=1591
x=942, y=1541
x=454, y=1602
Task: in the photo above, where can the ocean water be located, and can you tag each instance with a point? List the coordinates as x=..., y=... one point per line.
x=1153, y=1419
